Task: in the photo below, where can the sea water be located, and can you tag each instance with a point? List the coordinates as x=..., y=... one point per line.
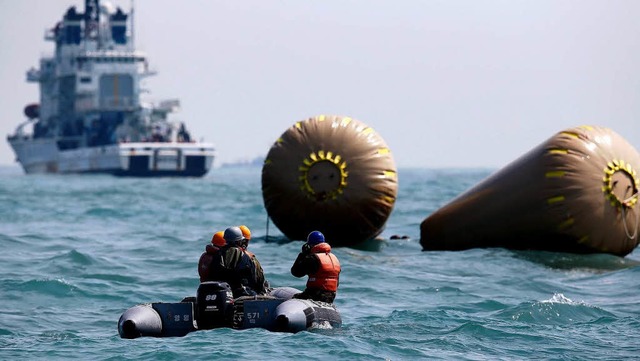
x=77, y=251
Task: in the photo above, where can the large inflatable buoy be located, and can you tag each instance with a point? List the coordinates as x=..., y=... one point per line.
x=333, y=174
x=577, y=192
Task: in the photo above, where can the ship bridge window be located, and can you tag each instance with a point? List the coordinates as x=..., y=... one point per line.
x=85, y=79
x=116, y=90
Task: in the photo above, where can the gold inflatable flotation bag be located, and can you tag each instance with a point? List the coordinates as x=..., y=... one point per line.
x=333, y=174
x=577, y=192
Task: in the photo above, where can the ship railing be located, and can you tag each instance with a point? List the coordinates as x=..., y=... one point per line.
x=19, y=133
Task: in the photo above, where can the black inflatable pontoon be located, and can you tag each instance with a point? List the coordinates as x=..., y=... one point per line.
x=215, y=307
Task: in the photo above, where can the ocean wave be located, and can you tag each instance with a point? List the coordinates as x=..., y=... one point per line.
x=558, y=309
x=69, y=271
x=105, y=212
x=59, y=288
x=73, y=258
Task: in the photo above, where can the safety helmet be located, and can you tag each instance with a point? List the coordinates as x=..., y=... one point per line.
x=246, y=233
x=233, y=236
x=218, y=239
x=315, y=237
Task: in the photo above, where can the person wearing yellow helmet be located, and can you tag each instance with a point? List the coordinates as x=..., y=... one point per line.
x=232, y=264
x=246, y=233
x=323, y=268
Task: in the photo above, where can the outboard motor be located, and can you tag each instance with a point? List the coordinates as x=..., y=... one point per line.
x=214, y=305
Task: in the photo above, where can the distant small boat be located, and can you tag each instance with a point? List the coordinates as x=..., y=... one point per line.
x=91, y=118
x=215, y=307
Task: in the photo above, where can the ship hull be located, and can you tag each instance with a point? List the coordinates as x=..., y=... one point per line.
x=144, y=159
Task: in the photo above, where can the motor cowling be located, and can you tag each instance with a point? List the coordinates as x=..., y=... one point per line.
x=214, y=305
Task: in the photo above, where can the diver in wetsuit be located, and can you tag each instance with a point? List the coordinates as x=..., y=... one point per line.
x=232, y=264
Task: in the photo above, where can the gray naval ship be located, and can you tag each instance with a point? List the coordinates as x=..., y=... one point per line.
x=90, y=117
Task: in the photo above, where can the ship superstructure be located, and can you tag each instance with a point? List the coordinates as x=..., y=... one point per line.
x=90, y=117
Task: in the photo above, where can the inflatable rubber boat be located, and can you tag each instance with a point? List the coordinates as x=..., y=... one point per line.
x=215, y=307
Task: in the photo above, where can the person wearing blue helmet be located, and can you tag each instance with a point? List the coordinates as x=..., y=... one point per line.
x=323, y=268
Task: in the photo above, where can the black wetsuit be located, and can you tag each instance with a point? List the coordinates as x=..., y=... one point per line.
x=236, y=267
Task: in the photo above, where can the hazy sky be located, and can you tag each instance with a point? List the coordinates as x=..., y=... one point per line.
x=446, y=83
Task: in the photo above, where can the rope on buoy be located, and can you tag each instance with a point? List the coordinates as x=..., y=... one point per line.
x=266, y=237
x=624, y=219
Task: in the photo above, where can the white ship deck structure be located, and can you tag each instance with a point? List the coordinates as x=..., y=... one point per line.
x=90, y=117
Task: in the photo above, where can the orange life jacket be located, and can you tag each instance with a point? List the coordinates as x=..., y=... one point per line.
x=326, y=278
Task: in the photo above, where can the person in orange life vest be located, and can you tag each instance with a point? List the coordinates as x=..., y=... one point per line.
x=322, y=267
x=217, y=242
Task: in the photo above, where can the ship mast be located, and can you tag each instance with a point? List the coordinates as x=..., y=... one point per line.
x=92, y=19
x=133, y=39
